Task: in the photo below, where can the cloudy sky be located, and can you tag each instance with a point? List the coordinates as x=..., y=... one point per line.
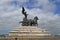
x=48, y=12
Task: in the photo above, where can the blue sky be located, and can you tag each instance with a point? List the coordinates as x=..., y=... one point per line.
x=48, y=12
x=58, y=7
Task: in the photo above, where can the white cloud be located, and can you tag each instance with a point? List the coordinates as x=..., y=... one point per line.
x=23, y=0
x=2, y=1
x=46, y=5
x=10, y=5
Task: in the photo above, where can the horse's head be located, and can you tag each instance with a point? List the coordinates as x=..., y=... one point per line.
x=35, y=18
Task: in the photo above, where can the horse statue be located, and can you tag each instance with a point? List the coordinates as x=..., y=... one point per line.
x=33, y=22
x=28, y=22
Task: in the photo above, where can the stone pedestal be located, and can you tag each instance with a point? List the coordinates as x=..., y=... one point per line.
x=29, y=33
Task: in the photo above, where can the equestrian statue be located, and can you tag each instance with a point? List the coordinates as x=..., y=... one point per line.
x=28, y=22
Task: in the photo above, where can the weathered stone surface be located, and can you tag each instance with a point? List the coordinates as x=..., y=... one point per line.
x=29, y=33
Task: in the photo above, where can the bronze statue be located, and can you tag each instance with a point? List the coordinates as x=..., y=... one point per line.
x=28, y=22
x=24, y=12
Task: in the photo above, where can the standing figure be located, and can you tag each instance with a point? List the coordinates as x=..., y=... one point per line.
x=24, y=22
x=24, y=12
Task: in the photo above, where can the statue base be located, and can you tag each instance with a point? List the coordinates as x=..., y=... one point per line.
x=29, y=33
